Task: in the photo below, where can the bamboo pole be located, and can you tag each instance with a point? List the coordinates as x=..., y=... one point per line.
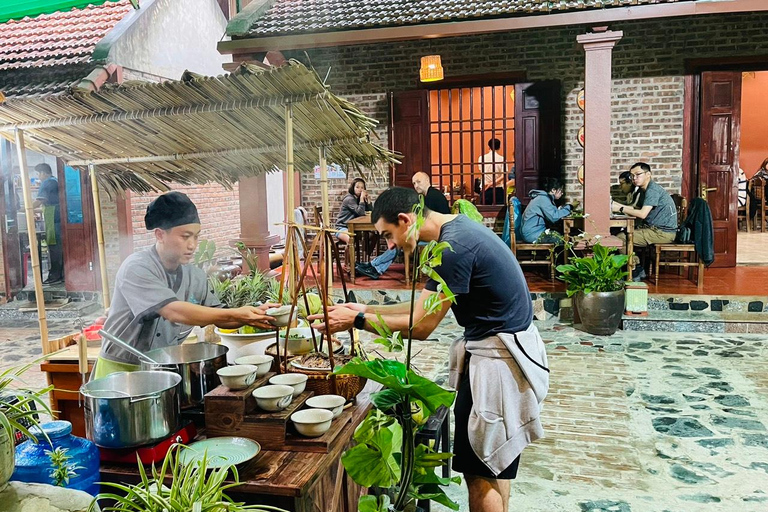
x=326, y=213
x=100, y=237
x=290, y=200
x=30, y=213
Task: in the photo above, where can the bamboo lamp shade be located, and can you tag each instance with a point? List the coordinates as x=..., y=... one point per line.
x=431, y=69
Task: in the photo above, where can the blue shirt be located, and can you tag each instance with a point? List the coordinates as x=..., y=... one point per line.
x=491, y=293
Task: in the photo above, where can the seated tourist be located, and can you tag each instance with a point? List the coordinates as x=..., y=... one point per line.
x=658, y=214
x=542, y=213
x=354, y=205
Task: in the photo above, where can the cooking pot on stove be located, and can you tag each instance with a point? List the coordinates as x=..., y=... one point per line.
x=196, y=363
x=128, y=409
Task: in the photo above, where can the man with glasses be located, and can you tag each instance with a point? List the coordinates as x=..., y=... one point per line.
x=658, y=214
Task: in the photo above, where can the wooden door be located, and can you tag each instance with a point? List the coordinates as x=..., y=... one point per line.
x=409, y=134
x=537, y=135
x=719, y=157
x=78, y=226
x=10, y=205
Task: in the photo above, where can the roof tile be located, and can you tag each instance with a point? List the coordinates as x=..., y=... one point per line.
x=305, y=16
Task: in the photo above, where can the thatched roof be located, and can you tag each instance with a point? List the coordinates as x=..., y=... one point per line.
x=143, y=136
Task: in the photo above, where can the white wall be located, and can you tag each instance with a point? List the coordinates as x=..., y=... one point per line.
x=167, y=37
x=275, y=203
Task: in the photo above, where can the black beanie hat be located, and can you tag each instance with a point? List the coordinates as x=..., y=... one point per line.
x=171, y=210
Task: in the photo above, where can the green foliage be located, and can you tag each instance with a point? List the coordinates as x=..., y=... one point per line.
x=603, y=272
x=63, y=470
x=206, y=250
x=249, y=257
x=386, y=455
x=242, y=290
x=14, y=416
x=193, y=488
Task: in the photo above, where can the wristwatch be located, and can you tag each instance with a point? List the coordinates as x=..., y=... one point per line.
x=360, y=321
x=621, y=210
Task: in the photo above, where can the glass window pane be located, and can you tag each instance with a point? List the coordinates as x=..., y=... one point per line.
x=74, y=196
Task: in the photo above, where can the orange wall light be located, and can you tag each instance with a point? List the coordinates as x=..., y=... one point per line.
x=431, y=69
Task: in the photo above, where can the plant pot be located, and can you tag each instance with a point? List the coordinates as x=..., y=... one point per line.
x=600, y=312
x=7, y=456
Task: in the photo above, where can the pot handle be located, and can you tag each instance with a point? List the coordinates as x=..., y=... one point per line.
x=142, y=398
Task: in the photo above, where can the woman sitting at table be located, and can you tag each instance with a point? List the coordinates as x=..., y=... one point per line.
x=355, y=205
x=542, y=212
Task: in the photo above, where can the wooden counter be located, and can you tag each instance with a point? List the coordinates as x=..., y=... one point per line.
x=295, y=481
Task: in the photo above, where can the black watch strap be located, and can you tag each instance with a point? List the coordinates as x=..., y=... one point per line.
x=360, y=321
x=621, y=210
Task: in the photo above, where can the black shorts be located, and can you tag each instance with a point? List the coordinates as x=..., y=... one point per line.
x=464, y=459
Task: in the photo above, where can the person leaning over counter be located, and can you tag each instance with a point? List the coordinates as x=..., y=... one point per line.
x=159, y=296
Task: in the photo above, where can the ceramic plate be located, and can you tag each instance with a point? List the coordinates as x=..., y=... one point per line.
x=222, y=451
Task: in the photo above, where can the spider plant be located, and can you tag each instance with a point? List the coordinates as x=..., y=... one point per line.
x=22, y=414
x=193, y=487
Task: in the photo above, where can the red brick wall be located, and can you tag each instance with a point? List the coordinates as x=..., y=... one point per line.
x=649, y=65
x=217, y=206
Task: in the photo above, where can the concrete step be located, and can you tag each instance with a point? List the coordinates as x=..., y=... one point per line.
x=698, y=321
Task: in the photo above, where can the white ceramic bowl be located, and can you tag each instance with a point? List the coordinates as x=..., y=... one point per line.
x=273, y=398
x=262, y=363
x=299, y=340
x=281, y=315
x=312, y=422
x=245, y=344
x=297, y=381
x=237, y=377
x=333, y=403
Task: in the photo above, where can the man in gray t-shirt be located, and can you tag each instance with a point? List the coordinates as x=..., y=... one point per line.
x=159, y=296
x=658, y=214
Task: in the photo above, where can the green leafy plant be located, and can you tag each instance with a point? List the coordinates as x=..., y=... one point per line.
x=250, y=258
x=245, y=290
x=62, y=470
x=22, y=413
x=386, y=455
x=604, y=271
x=206, y=251
x=192, y=488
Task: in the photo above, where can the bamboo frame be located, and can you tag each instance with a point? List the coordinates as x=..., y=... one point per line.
x=328, y=268
x=30, y=214
x=100, y=238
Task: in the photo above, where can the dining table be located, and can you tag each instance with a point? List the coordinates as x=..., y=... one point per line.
x=616, y=221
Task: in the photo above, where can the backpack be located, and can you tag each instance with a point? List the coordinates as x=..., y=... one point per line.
x=517, y=210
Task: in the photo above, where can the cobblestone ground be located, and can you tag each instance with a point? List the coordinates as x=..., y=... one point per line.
x=636, y=422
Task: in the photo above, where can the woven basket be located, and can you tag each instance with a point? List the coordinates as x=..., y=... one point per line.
x=319, y=381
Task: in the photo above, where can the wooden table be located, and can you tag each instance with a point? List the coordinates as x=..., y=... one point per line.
x=357, y=225
x=294, y=481
x=616, y=221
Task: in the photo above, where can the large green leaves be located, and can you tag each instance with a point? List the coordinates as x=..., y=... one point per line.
x=372, y=462
x=603, y=272
x=392, y=374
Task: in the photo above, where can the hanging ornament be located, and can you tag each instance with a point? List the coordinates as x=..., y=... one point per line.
x=431, y=69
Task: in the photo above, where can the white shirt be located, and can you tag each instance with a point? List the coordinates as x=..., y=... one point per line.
x=490, y=163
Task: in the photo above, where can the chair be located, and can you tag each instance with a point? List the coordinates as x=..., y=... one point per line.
x=758, y=190
x=530, y=251
x=692, y=259
x=340, y=246
x=743, y=214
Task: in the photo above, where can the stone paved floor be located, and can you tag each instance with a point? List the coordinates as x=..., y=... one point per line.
x=636, y=422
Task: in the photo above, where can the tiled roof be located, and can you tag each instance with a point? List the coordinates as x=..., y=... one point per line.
x=58, y=39
x=304, y=16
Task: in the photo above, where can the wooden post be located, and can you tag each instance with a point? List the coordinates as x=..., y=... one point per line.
x=100, y=237
x=293, y=263
x=326, y=215
x=30, y=213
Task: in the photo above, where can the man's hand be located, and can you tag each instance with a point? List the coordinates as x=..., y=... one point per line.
x=615, y=206
x=255, y=316
x=340, y=318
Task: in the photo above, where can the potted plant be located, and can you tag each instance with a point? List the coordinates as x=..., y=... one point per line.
x=596, y=283
x=19, y=408
x=386, y=455
x=192, y=487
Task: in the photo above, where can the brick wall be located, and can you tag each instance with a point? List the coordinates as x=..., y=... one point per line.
x=647, y=78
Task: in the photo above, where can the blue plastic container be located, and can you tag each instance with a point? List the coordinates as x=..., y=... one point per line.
x=34, y=465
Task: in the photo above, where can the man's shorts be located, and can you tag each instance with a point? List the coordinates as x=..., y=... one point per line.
x=464, y=459
x=339, y=231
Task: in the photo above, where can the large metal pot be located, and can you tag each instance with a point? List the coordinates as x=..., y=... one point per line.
x=196, y=363
x=129, y=409
x=600, y=312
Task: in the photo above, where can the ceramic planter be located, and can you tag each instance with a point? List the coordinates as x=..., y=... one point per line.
x=7, y=458
x=600, y=312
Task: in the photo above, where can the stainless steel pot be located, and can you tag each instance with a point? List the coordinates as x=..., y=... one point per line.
x=196, y=363
x=128, y=409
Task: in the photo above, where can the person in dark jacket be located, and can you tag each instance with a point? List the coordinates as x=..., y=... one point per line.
x=433, y=199
x=354, y=205
x=542, y=212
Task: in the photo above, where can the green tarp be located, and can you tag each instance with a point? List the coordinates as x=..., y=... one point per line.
x=17, y=9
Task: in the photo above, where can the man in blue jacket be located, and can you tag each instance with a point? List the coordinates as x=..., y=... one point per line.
x=543, y=212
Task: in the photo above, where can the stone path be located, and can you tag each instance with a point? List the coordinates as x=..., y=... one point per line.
x=636, y=422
